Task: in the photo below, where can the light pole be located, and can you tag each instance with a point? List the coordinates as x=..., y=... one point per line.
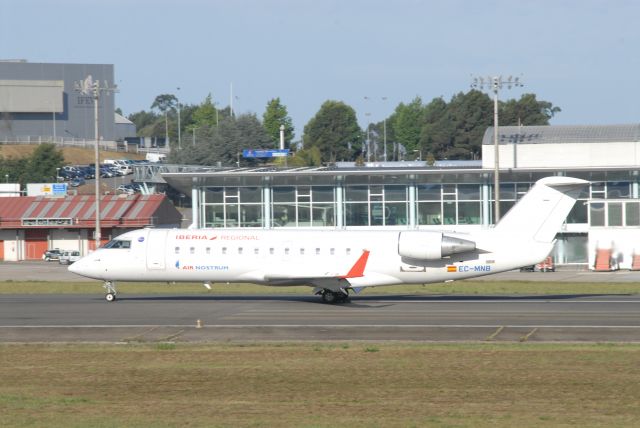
x=384, y=127
x=95, y=89
x=6, y=178
x=179, y=135
x=495, y=84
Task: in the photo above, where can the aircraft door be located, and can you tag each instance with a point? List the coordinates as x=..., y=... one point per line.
x=156, y=248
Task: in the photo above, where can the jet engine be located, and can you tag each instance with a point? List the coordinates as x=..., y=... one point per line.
x=429, y=245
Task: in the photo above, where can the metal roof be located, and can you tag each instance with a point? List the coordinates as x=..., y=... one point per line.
x=558, y=134
x=79, y=211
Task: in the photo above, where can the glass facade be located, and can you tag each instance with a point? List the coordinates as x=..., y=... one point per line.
x=232, y=207
x=303, y=206
x=375, y=205
x=449, y=204
x=604, y=203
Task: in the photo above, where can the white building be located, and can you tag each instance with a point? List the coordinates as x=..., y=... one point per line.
x=412, y=195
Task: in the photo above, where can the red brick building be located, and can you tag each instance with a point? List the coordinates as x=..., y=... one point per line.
x=32, y=224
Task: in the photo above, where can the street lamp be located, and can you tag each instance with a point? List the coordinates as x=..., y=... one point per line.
x=95, y=89
x=179, y=131
x=384, y=126
x=495, y=84
x=6, y=178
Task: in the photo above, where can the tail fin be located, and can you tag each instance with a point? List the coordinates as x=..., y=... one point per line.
x=539, y=215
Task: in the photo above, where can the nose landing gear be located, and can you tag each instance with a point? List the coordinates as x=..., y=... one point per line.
x=110, y=287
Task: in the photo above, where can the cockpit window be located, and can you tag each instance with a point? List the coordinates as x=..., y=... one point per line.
x=118, y=243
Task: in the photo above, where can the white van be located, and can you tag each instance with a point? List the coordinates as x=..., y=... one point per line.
x=115, y=162
x=156, y=157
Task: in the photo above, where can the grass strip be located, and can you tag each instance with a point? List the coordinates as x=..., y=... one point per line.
x=459, y=288
x=320, y=385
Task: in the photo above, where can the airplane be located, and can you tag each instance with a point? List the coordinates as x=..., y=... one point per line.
x=337, y=262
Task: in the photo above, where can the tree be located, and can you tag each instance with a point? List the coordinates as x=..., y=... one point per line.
x=334, y=130
x=38, y=168
x=527, y=111
x=43, y=163
x=306, y=157
x=206, y=113
x=144, y=121
x=224, y=143
x=275, y=115
x=164, y=103
x=407, y=122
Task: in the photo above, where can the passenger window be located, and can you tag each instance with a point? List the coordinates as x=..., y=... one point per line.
x=256, y=251
x=192, y=250
x=177, y=250
x=317, y=251
x=208, y=250
x=332, y=251
x=286, y=251
x=271, y=251
x=302, y=251
x=224, y=250
x=348, y=251
x=239, y=250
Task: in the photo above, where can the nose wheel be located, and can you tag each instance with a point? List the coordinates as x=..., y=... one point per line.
x=110, y=286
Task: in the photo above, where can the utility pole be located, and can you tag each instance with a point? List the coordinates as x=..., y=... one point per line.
x=179, y=136
x=95, y=89
x=495, y=84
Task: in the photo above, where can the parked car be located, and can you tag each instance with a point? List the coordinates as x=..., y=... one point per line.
x=126, y=188
x=77, y=181
x=52, y=254
x=68, y=257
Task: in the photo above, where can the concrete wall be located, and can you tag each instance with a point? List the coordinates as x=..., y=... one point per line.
x=564, y=155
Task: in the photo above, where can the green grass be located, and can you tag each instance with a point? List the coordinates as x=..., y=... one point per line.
x=320, y=385
x=461, y=288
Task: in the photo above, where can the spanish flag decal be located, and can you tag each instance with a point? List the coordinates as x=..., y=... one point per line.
x=452, y=269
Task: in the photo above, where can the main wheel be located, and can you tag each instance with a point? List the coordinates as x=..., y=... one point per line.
x=110, y=297
x=329, y=297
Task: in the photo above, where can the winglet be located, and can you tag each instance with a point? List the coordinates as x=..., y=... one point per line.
x=357, y=270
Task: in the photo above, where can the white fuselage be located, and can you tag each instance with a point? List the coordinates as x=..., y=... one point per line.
x=295, y=257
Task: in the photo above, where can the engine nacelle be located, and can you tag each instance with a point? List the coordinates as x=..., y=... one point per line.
x=429, y=245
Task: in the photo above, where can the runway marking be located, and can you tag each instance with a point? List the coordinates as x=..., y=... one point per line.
x=504, y=301
x=495, y=326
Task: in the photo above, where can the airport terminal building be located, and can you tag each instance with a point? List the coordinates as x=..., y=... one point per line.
x=451, y=195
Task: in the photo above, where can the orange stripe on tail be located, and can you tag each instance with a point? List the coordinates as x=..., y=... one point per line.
x=357, y=270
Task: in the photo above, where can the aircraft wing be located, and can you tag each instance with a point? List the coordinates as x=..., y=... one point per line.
x=320, y=277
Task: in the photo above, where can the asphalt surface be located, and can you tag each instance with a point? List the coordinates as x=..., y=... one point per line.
x=89, y=318
x=181, y=318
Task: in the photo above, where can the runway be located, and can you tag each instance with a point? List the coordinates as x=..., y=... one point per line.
x=144, y=318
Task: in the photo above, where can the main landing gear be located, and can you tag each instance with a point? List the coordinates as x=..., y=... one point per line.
x=110, y=286
x=333, y=297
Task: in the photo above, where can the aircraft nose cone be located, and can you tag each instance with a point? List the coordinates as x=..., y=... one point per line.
x=74, y=267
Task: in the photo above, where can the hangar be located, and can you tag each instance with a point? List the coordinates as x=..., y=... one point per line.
x=600, y=232
x=39, y=102
x=30, y=225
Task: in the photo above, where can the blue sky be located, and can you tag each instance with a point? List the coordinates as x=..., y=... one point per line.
x=583, y=56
